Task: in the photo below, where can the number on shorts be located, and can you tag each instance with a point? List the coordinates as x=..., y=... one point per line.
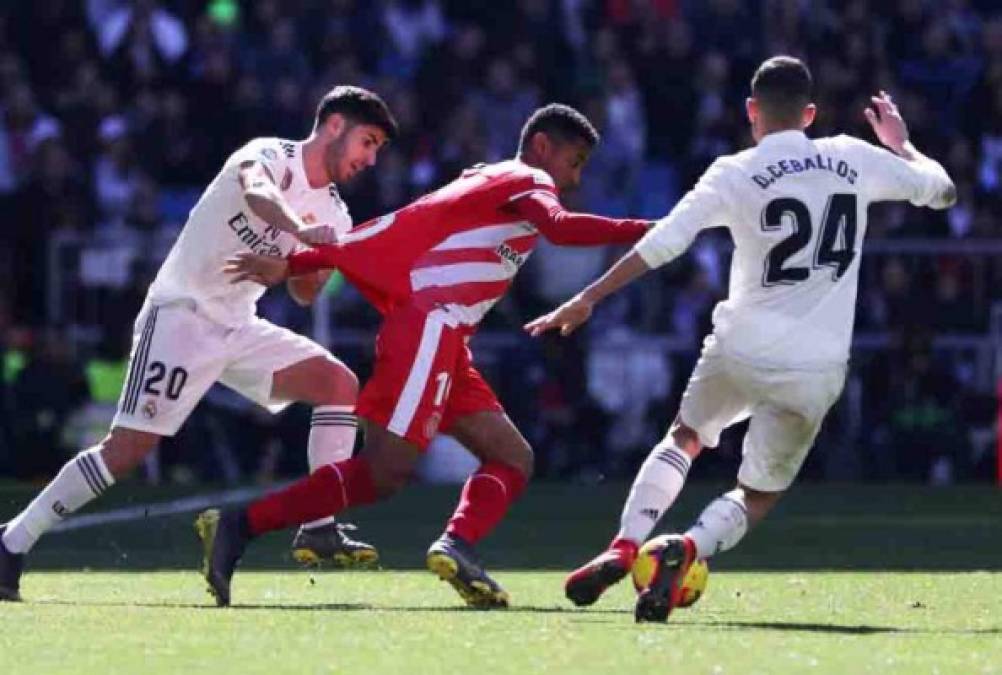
x=443, y=388
x=175, y=382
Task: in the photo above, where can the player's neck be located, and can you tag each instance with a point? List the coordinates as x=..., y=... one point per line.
x=778, y=129
x=313, y=163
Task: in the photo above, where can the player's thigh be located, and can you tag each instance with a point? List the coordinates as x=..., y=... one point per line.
x=492, y=437
x=416, y=358
x=261, y=351
x=176, y=356
x=784, y=426
x=712, y=400
x=391, y=458
x=475, y=417
x=317, y=380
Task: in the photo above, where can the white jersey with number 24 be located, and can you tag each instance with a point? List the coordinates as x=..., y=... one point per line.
x=796, y=210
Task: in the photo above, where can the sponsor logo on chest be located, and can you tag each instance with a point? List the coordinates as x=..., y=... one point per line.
x=512, y=258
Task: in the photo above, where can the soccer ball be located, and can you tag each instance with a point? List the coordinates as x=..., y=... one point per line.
x=694, y=583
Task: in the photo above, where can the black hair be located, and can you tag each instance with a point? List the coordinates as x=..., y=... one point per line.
x=359, y=106
x=782, y=87
x=560, y=122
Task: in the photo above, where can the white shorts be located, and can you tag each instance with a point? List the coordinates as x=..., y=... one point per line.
x=177, y=354
x=786, y=408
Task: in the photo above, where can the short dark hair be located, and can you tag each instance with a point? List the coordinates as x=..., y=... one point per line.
x=359, y=106
x=560, y=122
x=782, y=87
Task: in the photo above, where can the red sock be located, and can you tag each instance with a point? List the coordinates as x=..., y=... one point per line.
x=486, y=497
x=626, y=547
x=323, y=493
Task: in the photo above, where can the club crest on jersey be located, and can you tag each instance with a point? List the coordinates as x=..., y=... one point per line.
x=510, y=255
x=286, y=180
x=431, y=424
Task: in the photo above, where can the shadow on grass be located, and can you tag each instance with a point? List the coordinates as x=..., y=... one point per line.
x=329, y=607
x=839, y=629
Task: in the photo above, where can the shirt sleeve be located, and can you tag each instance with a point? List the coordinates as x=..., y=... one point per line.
x=267, y=151
x=547, y=214
x=922, y=181
x=702, y=207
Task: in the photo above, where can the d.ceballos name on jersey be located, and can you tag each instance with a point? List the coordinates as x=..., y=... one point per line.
x=260, y=243
x=792, y=166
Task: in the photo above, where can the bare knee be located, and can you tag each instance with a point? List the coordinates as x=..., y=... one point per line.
x=389, y=480
x=758, y=503
x=522, y=458
x=335, y=384
x=123, y=450
x=321, y=380
x=685, y=437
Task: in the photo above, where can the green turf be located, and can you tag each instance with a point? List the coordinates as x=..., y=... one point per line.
x=842, y=580
x=397, y=622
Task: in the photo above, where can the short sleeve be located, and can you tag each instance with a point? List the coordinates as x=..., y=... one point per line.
x=267, y=151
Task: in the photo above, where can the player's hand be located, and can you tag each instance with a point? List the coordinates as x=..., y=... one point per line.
x=568, y=317
x=887, y=122
x=315, y=235
x=261, y=269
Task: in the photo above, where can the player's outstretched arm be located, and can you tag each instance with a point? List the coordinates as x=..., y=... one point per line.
x=570, y=315
x=566, y=228
x=889, y=126
x=261, y=269
x=265, y=200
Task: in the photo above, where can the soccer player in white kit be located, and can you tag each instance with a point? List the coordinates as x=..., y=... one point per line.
x=796, y=210
x=197, y=328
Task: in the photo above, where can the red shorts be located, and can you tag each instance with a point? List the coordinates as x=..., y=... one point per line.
x=424, y=378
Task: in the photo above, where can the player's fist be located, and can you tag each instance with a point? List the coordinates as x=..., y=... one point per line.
x=261, y=269
x=887, y=122
x=315, y=235
x=568, y=317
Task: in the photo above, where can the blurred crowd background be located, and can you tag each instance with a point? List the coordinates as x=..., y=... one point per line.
x=114, y=115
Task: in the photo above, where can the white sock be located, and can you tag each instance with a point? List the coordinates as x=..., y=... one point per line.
x=721, y=525
x=332, y=439
x=654, y=490
x=81, y=480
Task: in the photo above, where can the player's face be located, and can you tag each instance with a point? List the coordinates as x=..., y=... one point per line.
x=353, y=150
x=565, y=162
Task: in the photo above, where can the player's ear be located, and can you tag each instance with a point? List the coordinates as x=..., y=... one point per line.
x=541, y=144
x=751, y=110
x=808, y=116
x=335, y=124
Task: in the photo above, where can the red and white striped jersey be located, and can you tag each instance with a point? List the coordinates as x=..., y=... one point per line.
x=459, y=248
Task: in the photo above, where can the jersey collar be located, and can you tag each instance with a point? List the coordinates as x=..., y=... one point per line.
x=789, y=137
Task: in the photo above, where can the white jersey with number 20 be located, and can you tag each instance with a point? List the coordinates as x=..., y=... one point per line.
x=222, y=225
x=796, y=209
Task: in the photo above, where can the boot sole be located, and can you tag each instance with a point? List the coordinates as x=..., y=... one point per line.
x=354, y=560
x=476, y=594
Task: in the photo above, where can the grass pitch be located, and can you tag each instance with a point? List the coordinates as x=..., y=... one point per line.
x=842, y=580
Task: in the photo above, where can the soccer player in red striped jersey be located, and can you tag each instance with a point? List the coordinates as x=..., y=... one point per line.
x=434, y=268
